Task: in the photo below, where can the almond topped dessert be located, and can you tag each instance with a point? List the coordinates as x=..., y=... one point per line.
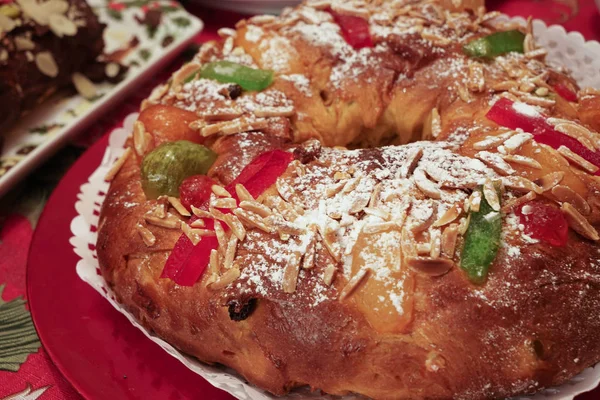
x=397, y=199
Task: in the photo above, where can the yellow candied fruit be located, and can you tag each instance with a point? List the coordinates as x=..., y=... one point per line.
x=10, y=10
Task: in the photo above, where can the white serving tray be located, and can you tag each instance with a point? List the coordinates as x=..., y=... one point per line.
x=44, y=130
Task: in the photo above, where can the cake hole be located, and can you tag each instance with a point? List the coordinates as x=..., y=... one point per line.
x=228, y=353
x=326, y=97
x=538, y=348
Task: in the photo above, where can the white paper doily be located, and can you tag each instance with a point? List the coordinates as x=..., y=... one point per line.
x=569, y=50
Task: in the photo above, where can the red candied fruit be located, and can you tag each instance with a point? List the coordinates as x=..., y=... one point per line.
x=187, y=263
x=355, y=30
x=544, y=222
x=565, y=92
x=195, y=191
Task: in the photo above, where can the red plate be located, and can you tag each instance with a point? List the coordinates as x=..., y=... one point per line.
x=93, y=345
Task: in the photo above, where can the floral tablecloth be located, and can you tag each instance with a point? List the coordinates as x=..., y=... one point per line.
x=26, y=371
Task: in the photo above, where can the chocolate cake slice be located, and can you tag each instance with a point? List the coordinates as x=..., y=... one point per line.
x=44, y=45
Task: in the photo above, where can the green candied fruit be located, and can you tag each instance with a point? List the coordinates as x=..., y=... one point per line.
x=247, y=78
x=496, y=44
x=164, y=168
x=482, y=241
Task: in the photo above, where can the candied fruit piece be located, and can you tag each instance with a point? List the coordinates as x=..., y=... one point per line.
x=544, y=222
x=195, y=191
x=164, y=168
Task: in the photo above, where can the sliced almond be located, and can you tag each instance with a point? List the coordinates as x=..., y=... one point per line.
x=425, y=185
x=548, y=181
x=174, y=201
x=191, y=233
x=492, y=141
x=252, y=220
x=579, y=133
x=226, y=279
x=230, y=252
x=449, y=238
x=256, y=207
x=23, y=43
x=463, y=225
x=221, y=237
x=579, y=223
x=435, y=241
x=269, y=112
x=566, y=194
x=234, y=127
x=515, y=142
x=84, y=86
x=521, y=184
x=351, y=184
x=424, y=221
x=161, y=207
x=7, y=24
x=449, y=216
x=284, y=227
x=577, y=159
x=512, y=203
x=213, y=264
x=349, y=9
x=537, y=54
x=169, y=222
x=185, y=72
x=374, y=199
x=224, y=202
x=491, y=195
x=112, y=69
x=537, y=101
x=61, y=25
x=408, y=243
x=378, y=227
x=242, y=193
x=237, y=228
x=424, y=248
x=329, y=274
x=141, y=138
x=436, y=123
x=496, y=162
x=285, y=190
x=353, y=284
x=474, y=201
x=45, y=62
x=476, y=81
x=334, y=189
x=412, y=159
x=430, y=266
x=199, y=223
x=522, y=160
x=220, y=191
x=377, y=212
x=114, y=170
x=359, y=204
x=308, y=261
x=201, y=213
x=147, y=236
x=290, y=274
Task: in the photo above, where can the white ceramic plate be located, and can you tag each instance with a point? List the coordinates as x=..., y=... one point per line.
x=41, y=132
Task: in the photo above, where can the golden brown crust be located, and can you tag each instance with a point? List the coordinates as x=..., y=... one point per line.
x=530, y=325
